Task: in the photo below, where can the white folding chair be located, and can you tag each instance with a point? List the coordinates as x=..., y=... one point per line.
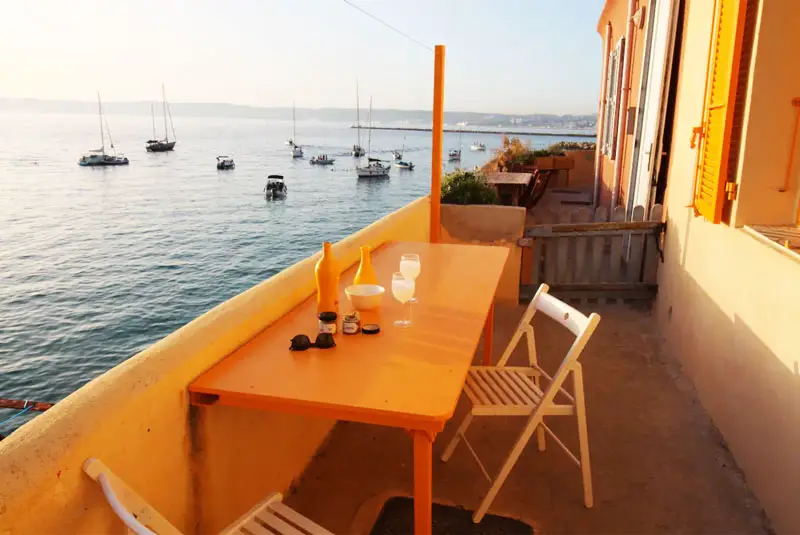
x=267, y=518
x=516, y=391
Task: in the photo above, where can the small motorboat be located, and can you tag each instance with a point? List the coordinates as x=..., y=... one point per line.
x=275, y=188
x=454, y=155
x=397, y=155
x=478, y=146
x=322, y=159
x=404, y=165
x=374, y=169
x=225, y=163
x=357, y=151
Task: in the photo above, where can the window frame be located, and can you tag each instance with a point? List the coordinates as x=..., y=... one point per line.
x=613, y=90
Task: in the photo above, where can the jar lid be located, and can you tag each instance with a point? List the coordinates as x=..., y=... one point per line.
x=327, y=316
x=370, y=328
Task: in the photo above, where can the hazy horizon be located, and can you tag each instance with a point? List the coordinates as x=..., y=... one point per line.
x=522, y=57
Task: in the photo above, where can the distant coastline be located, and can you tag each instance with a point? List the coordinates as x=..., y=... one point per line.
x=588, y=135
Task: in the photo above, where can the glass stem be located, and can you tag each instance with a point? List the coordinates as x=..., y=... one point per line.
x=408, y=316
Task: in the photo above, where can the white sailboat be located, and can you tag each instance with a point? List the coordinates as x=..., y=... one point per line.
x=400, y=163
x=99, y=157
x=297, y=150
x=357, y=151
x=374, y=167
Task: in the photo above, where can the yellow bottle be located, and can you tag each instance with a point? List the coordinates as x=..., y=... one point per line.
x=327, y=275
x=365, y=273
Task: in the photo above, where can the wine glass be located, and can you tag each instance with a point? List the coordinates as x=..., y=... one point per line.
x=410, y=267
x=403, y=290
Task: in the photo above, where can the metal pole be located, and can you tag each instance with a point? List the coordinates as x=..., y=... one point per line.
x=436, y=157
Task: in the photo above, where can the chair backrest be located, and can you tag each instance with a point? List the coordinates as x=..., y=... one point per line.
x=131, y=508
x=578, y=324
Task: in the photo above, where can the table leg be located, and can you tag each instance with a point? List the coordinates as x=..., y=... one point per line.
x=488, y=335
x=423, y=482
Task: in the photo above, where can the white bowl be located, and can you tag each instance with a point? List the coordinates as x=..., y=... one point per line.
x=365, y=296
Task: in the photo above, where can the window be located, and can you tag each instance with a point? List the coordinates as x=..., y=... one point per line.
x=711, y=179
x=611, y=119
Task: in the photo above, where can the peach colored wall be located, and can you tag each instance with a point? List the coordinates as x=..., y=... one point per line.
x=489, y=225
x=727, y=308
x=200, y=468
x=770, y=121
x=616, y=12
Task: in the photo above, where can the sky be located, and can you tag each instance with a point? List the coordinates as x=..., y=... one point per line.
x=503, y=56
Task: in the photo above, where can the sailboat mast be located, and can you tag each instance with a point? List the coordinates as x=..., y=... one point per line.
x=294, y=125
x=164, y=98
x=369, y=137
x=358, y=117
x=153, y=117
x=100, y=115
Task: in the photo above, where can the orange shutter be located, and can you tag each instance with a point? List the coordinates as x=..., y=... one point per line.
x=722, y=78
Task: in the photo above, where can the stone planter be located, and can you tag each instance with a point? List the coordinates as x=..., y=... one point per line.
x=489, y=225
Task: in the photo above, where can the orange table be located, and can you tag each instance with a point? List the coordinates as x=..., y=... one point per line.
x=408, y=378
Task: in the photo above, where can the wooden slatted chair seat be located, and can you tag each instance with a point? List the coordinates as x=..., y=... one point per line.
x=269, y=517
x=508, y=391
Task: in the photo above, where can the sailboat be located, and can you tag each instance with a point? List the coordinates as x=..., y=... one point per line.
x=161, y=145
x=297, y=150
x=454, y=155
x=374, y=167
x=357, y=151
x=98, y=157
x=400, y=163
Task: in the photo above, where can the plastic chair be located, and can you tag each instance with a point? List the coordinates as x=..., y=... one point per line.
x=268, y=517
x=516, y=391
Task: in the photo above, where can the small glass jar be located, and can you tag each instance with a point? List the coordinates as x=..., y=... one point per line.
x=327, y=322
x=351, y=323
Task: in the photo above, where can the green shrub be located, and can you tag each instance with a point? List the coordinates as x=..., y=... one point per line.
x=467, y=187
x=561, y=146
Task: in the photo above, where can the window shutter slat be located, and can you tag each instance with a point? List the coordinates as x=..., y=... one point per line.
x=712, y=173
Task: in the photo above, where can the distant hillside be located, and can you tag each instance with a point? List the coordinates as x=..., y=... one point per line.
x=342, y=115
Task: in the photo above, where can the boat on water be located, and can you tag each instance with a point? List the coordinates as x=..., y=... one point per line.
x=225, y=163
x=161, y=145
x=99, y=157
x=275, y=187
x=397, y=154
x=357, y=151
x=297, y=150
x=477, y=146
x=322, y=159
x=375, y=167
x=454, y=155
x=404, y=165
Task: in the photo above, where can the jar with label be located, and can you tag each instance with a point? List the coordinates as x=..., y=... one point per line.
x=327, y=322
x=351, y=323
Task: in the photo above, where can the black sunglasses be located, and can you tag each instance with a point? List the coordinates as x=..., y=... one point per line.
x=301, y=342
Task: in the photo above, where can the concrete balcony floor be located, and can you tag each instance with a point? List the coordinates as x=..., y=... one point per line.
x=659, y=465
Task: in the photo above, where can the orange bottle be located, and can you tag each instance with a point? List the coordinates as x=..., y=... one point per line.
x=327, y=275
x=365, y=273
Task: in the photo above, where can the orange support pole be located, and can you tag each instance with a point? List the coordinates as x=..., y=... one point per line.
x=436, y=157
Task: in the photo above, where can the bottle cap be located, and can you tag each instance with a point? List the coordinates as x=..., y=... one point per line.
x=327, y=316
x=370, y=328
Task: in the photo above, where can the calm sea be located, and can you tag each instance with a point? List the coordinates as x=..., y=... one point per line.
x=97, y=264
